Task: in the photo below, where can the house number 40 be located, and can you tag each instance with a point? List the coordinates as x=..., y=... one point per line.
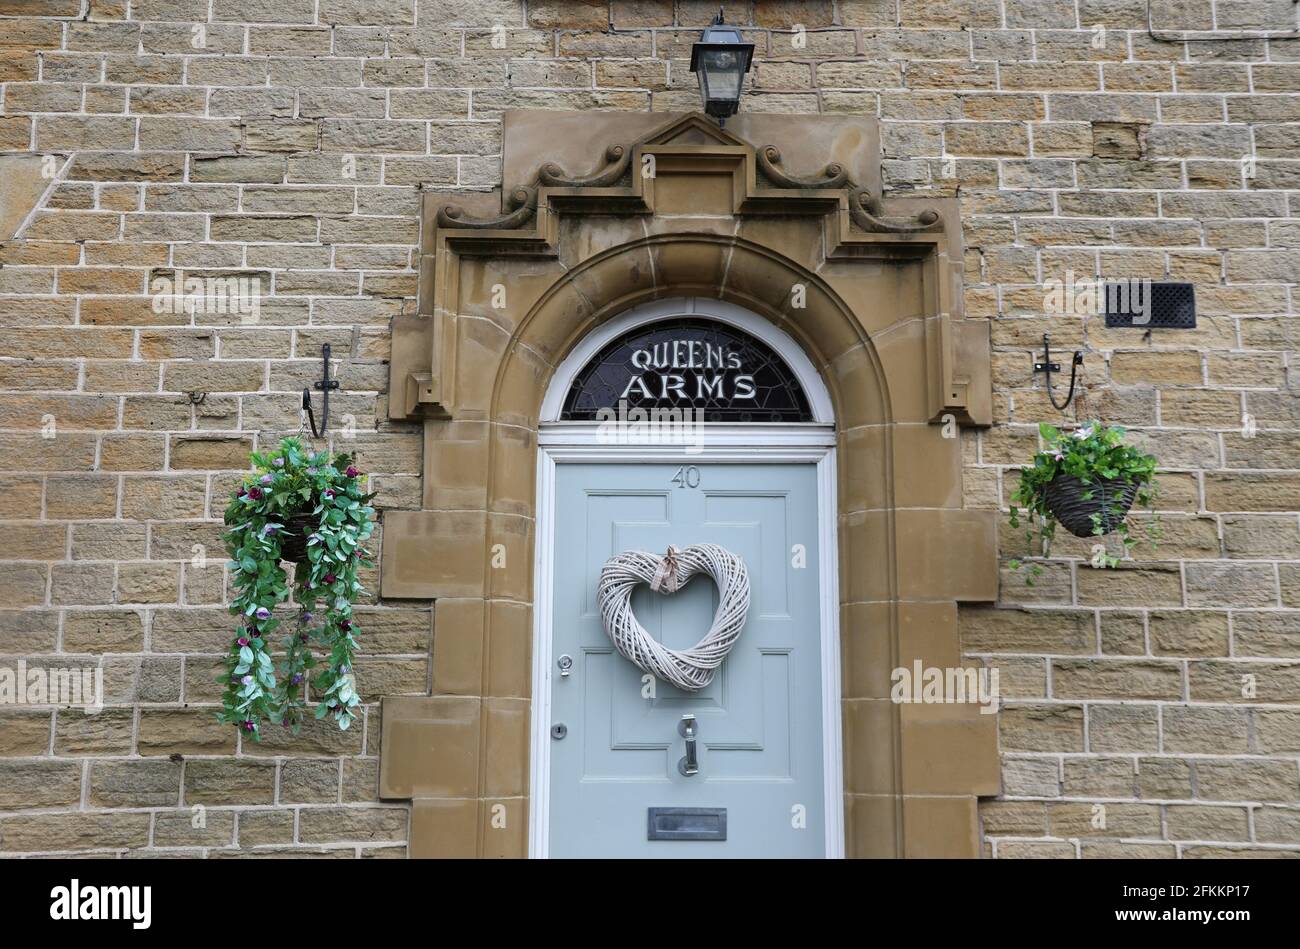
x=687, y=476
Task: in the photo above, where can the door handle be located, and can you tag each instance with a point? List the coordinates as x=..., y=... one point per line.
x=688, y=728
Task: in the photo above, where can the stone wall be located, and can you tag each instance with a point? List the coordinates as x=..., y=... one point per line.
x=1151, y=710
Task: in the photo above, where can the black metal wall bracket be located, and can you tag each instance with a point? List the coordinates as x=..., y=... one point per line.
x=324, y=386
x=1047, y=367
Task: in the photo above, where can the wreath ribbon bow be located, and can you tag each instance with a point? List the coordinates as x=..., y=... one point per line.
x=665, y=578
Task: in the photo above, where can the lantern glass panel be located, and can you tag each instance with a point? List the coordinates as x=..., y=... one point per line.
x=721, y=73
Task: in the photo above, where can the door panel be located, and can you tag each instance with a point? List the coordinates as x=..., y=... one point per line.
x=759, y=722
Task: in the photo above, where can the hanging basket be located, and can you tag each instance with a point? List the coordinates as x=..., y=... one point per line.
x=1111, y=498
x=293, y=539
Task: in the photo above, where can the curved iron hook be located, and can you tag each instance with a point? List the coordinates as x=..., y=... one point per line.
x=1047, y=367
x=325, y=384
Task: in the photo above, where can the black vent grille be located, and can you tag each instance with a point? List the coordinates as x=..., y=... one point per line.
x=1150, y=305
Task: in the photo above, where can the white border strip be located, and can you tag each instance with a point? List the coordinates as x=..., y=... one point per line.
x=539, y=762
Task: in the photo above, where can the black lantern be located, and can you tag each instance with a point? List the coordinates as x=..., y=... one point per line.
x=720, y=59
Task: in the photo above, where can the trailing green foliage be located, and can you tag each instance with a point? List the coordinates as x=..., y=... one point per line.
x=327, y=494
x=1092, y=454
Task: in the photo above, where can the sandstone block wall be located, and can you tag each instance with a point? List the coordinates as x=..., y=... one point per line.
x=287, y=141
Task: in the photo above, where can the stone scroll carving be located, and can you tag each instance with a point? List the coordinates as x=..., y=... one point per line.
x=617, y=159
x=864, y=209
x=522, y=204
x=523, y=201
x=866, y=214
x=769, y=158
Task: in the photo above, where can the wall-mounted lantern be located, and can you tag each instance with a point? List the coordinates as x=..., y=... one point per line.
x=720, y=59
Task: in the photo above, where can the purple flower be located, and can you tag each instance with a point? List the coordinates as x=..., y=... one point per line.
x=345, y=624
x=267, y=478
x=311, y=470
x=327, y=493
x=247, y=680
x=262, y=613
x=303, y=637
x=307, y=617
x=270, y=528
x=242, y=640
x=297, y=678
x=278, y=462
x=249, y=726
x=352, y=472
x=329, y=578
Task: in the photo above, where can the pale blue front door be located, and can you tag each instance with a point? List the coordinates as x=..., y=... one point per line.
x=759, y=724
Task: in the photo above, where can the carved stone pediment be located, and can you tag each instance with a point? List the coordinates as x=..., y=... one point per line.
x=691, y=131
x=534, y=137
x=563, y=167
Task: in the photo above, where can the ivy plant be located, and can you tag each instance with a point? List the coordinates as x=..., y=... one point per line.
x=325, y=494
x=1092, y=453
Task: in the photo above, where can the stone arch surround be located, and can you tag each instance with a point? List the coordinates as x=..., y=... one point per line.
x=908, y=550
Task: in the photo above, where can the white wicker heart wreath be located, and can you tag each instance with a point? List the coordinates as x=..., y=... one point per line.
x=688, y=669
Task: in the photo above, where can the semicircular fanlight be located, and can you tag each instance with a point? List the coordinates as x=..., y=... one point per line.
x=715, y=369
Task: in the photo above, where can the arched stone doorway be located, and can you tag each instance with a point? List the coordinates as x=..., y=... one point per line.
x=872, y=301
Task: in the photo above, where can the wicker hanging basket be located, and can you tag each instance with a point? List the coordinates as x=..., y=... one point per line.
x=1111, y=498
x=293, y=539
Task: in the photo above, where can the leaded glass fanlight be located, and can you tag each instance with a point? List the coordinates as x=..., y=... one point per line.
x=688, y=363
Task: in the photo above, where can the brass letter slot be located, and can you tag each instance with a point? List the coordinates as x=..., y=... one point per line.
x=686, y=823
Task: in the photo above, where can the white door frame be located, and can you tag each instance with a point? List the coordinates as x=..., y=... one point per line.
x=573, y=442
